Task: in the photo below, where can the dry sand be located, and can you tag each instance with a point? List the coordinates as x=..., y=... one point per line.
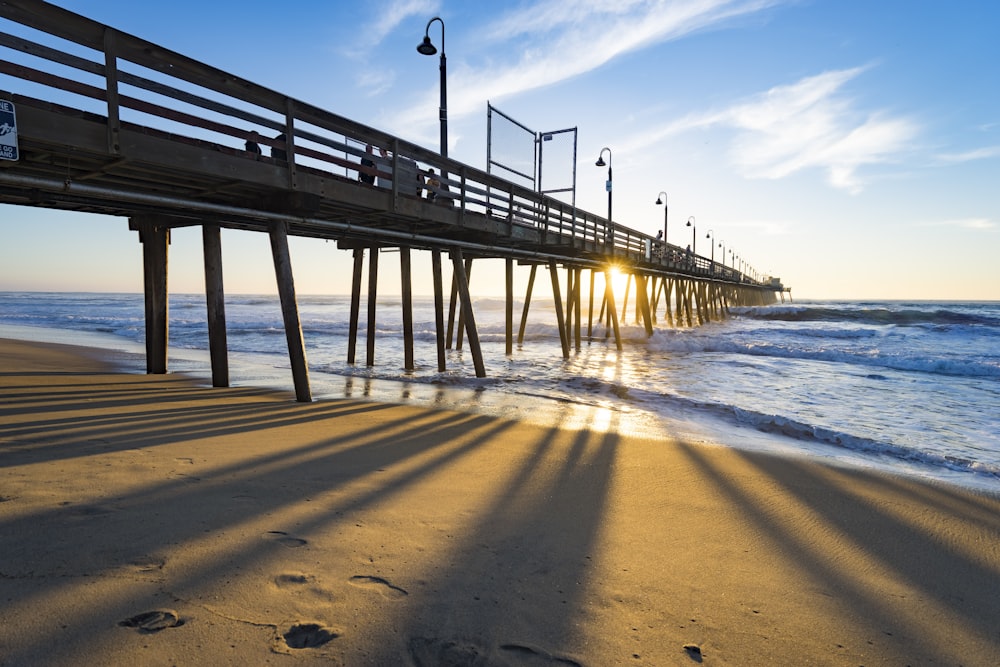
x=145, y=520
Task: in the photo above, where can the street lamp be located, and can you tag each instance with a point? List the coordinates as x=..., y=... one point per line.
x=662, y=199
x=711, y=235
x=694, y=235
x=609, y=233
x=428, y=49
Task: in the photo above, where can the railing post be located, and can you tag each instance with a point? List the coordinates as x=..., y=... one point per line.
x=111, y=91
x=290, y=143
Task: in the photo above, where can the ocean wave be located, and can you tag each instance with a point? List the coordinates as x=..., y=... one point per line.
x=877, y=315
x=867, y=356
x=787, y=427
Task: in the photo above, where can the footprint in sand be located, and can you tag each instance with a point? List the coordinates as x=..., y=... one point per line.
x=308, y=635
x=292, y=580
x=153, y=621
x=284, y=539
x=529, y=655
x=145, y=564
x=379, y=584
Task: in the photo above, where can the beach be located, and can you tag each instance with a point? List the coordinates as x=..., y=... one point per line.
x=152, y=520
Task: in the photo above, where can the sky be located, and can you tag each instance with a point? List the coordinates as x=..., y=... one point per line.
x=849, y=147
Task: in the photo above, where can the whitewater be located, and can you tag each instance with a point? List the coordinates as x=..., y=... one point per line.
x=905, y=386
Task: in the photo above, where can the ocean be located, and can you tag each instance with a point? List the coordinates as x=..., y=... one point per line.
x=909, y=387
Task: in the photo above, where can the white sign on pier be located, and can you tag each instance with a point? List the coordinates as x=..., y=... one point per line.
x=8, y=131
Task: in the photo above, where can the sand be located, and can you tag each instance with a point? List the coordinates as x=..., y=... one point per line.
x=147, y=520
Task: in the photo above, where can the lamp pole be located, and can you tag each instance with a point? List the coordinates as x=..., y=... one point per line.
x=711, y=235
x=694, y=235
x=428, y=49
x=662, y=199
x=609, y=233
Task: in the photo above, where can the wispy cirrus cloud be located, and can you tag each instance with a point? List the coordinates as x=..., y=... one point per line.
x=965, y=223
x=556, y=40
x=388, y=15
x=807, y=124
x=812, y=124
x=970, y=156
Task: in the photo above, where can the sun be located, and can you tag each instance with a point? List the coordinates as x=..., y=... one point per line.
x=619, y=280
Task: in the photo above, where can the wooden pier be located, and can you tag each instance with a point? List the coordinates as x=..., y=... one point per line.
x=237, y=155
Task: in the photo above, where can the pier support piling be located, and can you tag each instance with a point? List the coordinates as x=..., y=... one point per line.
x=352, y=333
x=372, y=292
x=215, y=302
x=557, y=300
x=438, y=308
x=154, y=234
x=462, y=284
x=407, y=288
x=290, y=311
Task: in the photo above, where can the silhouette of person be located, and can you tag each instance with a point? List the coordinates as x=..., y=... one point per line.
x=280, y=153
x=367, y=162
x=252, y=146
x=432, y=183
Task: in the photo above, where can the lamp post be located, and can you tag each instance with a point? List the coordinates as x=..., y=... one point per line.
x=694, y=235
x=662, y=199
x=428, y=49
x=722, y=244
x=711, y=235
x=609, y=233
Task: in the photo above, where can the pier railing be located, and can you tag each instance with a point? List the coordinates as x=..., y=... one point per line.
x=136, y=88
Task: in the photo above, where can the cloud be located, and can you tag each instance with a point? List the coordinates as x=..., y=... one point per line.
x=969, y=156
x=557, y=40
x=388, y=15
x=806, y=124
x=810, y=124
x=965, y=223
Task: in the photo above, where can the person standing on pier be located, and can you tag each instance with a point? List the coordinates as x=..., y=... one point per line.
x=370, y=163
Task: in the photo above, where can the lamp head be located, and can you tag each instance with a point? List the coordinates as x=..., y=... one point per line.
x=426, y=48
x=688, y=224
x=600, y=161
x=658, y=201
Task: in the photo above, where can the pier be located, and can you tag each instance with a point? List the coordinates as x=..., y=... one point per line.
x=147, y=134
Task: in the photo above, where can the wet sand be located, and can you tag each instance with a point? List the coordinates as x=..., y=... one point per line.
x=149, y=520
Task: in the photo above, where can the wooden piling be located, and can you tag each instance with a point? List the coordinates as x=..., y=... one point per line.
x=609, y=296
x=576, y=302
x=438, y=308
x=642, y=303
x=215, y=303
x=590, y=310
x=290, y=311
x=352, y=333
x=407, y=287
x=372, y=291
x=462, y=285
x=557, y=299
x=509, y=308
x=154, y=234
x=527, y=304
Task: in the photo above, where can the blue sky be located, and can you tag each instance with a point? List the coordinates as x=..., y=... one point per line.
x=850, y=147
